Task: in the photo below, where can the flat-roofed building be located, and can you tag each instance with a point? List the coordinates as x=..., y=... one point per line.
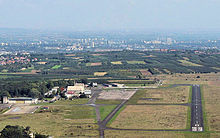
x=75, y=91
x=20, y=100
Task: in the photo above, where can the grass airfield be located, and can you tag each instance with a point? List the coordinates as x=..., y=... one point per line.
x=70, y=119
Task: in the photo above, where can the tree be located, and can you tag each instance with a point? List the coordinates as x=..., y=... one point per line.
x=15, y=132
x=4, y=93
x=37, y=135
x=34, y=93
x=19, y=132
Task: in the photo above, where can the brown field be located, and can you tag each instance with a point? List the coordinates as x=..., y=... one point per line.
x=98, y=54
x=215, y=135
x=166, y=70
x=157, y=70
x=185, y=58
x=212, y=104
x=145, y=72
x=216, y=68
x=152, y=117
x=167, y=95
x=100, y=73
x=211, y=91
x=77, y=58
x=116, y=62
x=188, y=63
x=32, y=72
x=66, y=68
x=42, y=63
x=158, y=134
x=135, y=62
x=142, y=134
x=94, y=64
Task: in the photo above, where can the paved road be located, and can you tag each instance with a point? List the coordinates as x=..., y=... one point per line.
x=196, y=110
x=94, y=96
x=196, y=116
x=102, y=124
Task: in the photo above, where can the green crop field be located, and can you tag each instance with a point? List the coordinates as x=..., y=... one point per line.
x=56, y=66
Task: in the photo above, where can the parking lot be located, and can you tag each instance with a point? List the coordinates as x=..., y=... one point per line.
x=121, y=94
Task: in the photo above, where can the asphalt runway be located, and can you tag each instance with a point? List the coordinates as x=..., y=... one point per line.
x=196, y=110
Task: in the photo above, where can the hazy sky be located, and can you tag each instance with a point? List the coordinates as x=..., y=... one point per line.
x=83, y=15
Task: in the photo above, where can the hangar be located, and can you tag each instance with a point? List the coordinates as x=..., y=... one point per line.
x=20, y=100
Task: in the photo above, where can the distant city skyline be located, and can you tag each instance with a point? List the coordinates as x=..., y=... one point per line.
x=108, y=15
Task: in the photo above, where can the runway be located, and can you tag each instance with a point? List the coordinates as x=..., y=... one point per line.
x=196, y=110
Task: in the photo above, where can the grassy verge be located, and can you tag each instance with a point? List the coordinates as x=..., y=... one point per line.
x=188, y=125
x=115, y=116
x=3, y=110
x=205, y=121
x=135, y=85
x=66, y=102
x=101, y=101
x=105, y=110
x=134, y=99
x=165, y=86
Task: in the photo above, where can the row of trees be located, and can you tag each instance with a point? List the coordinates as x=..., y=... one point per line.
x=35, y=89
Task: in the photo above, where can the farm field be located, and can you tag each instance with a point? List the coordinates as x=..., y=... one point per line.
x=116, y=62
x=152, y=117
x=100, y=73
x=188, y=63
x=56, y=66
x=94, y=64
x=136, y=62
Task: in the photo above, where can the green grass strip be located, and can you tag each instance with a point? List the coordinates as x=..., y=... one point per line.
x=188, y=124
x=116, y=115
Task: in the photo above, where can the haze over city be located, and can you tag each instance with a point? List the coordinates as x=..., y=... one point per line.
x=99, y=15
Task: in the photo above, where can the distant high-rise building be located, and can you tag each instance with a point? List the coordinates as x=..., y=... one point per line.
x=169, y=41
x=93, y=44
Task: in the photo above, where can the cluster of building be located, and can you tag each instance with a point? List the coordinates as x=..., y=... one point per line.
x=16, y=59
x=77, y=90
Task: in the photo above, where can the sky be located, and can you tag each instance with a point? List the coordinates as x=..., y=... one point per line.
x=98, y=15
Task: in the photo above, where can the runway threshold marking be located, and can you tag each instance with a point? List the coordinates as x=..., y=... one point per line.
x=196, y=110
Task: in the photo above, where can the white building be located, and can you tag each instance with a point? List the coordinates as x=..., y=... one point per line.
x=20, y=100
x=75, y=91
